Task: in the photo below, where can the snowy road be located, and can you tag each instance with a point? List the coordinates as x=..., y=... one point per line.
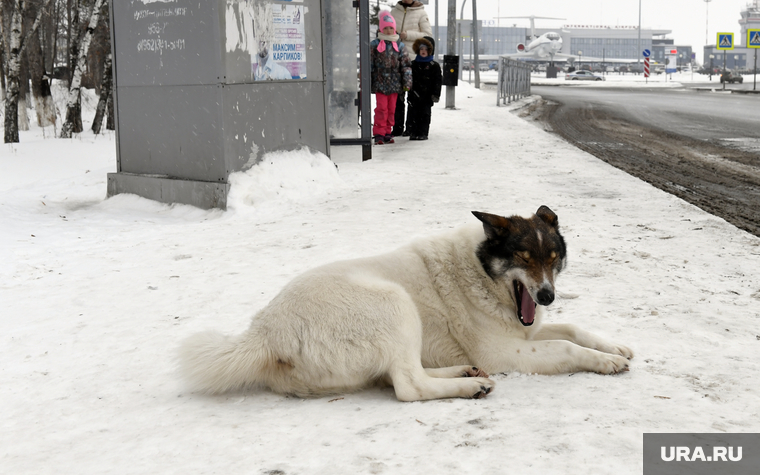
x=699, y=146
x=683, y=111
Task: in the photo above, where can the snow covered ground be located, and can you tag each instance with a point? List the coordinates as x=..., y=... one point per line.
x=96, y=294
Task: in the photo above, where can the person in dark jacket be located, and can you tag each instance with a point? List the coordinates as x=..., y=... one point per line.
x=412, y=23
x=391, y=74
x=426, y=90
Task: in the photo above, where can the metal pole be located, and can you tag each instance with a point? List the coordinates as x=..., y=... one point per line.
x=460, y=40
x=365, y=79
x=475, y=42
x=437, y=38
x=754, y=70
x=707, y=2
x=451, y=48
x=638, y=56
x=724, y=70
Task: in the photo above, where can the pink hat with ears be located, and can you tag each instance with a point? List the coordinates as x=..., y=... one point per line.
x=386, y=19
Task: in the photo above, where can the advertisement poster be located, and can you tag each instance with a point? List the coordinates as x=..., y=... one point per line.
x=280, y=39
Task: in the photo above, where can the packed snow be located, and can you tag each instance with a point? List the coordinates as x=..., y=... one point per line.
x=97, y=294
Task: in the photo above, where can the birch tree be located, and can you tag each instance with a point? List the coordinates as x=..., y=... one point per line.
x=41, y=94
x=14, y=69
x=73, y=123
x=16, y=44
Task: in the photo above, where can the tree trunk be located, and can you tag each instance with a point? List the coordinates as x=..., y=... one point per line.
x=17, y=43
x=14, y=69
x=2, y=63
x=111, y=121
x=49, y=28
x=105, y=96
x=23, y=88
x=41, y=97
x=73, y=107
x=72, y=13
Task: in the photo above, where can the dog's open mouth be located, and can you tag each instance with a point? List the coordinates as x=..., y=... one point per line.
x=526, y=307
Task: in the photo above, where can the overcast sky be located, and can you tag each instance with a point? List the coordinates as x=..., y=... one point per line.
x=686, y=18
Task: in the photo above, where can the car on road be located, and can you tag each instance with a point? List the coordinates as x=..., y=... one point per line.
x=583, y=76
x=727, y=76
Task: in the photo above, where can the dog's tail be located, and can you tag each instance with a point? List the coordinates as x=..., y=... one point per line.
x=214, y=363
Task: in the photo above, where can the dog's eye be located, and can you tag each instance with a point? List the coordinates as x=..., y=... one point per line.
x=523, y=255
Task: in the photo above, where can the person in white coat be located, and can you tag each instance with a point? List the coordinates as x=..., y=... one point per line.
x=412, y=23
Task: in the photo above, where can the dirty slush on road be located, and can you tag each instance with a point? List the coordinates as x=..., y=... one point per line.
x=721, y=180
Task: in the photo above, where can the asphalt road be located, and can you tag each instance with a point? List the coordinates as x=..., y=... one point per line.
x=693, y=112
x=701, y=146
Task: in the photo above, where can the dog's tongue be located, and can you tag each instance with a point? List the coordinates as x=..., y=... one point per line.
x=527, y=306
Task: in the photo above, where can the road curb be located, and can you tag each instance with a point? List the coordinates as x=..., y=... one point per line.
x=731, y=91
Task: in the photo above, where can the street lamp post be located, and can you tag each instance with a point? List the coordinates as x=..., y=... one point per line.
x=580, y=60
x=638, y=56
x=460, y=40
x=707, y=2
x=451, y=49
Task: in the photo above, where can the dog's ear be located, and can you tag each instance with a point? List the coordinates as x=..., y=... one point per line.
x=494, y=226
x=548, y=216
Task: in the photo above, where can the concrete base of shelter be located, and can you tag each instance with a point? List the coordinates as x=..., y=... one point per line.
x=205, y=195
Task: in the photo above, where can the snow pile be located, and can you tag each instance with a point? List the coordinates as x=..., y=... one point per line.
x=283, y=179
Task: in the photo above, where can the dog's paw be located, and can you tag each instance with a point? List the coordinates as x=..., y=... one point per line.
x=474, y=372
x=611, y=364
x=614, y=349
x=481, y=387
x=623, y=351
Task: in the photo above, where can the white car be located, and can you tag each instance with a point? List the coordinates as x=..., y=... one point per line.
x=583, y=76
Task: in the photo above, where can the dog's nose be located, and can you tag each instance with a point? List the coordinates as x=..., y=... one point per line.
x=545, y=296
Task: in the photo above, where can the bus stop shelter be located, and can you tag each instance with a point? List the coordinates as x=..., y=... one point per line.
x=205, y=89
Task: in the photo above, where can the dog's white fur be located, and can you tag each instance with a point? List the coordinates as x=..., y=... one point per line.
x=351, y=324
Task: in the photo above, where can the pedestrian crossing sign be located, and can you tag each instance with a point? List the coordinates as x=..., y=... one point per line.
x=725, y=41
x=753, y=38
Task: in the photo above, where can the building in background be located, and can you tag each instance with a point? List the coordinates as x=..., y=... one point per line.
x=601, y=41
x=741, y=57
x=593, y=41
x=663, y=46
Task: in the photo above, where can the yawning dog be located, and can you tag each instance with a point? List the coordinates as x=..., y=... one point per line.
x=432, y=319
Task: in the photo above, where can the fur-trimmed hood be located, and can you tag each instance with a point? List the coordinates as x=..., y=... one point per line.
x=423, y=41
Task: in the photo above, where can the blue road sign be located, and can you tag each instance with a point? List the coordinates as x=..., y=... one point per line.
x=647, y=53
x=753, y=38
x=725, y=41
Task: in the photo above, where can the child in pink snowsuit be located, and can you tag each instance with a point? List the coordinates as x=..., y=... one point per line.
x=391, y=74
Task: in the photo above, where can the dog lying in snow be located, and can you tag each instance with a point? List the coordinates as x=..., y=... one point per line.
x=432, y=319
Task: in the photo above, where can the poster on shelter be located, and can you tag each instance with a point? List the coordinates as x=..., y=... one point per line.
x=281, y=42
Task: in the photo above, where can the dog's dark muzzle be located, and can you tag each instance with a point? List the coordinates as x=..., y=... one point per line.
x=545, y=296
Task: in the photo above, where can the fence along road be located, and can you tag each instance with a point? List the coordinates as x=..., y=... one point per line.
x=514, y=80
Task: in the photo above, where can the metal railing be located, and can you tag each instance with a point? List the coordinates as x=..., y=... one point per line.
x=514, y=80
